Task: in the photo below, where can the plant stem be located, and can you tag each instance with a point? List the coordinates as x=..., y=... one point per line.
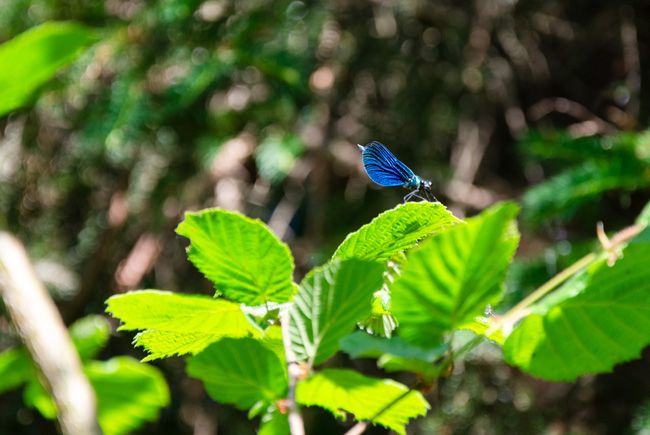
x=516, y=312
x=296, y=424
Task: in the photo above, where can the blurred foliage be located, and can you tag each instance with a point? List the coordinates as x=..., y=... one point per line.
x=598, y=164
x=170, y=111
x=128, y=393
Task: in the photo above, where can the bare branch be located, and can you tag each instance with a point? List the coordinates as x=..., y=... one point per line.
x=44, y=334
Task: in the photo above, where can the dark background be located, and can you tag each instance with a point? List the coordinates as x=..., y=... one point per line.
x=257, y=106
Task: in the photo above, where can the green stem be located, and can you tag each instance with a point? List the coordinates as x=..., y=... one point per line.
x=515, y=313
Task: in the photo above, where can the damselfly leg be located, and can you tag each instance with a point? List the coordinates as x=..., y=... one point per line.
x=414, y=194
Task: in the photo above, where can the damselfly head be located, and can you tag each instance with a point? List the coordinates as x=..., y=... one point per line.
x=425, y=184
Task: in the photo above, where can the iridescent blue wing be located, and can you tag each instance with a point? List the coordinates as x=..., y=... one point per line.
x=383, y=167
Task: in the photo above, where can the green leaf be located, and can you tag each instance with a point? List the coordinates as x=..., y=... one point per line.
x=129, y=393
x=340, y=390
x=16, y=368
x=395, y=231
x=240, y=371
x=595, y=321
x=35, y=396
x=394, y=354
x=33, y=57
x=452, y=277
x=381, y=321
x=89, y=335
x=331, y=300
x=272, y=339
x=359, y=344
x=480, y=325
x=177, y=324
x=241, y=256
x=425, y=370
x=274, y=423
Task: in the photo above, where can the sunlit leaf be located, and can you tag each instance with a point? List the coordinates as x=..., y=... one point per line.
x=240, y=371
x=481, y=325
x=395, y=231
x=452, y=277
x=33, y=57
x=241, y=256
x=177, y=324
x=331, y=300
x=595, y=321
x=342, y=390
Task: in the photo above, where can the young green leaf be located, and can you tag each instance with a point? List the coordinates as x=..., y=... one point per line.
x=331, y=300
x=128, y=394
x=274, y=423
x=33, y=57
x=595, y=321
x=364, y=397
x=241, y=256
x=450, y=278
x=177, y=324
x=240, y=371
x=396, y=230
x=89, y=335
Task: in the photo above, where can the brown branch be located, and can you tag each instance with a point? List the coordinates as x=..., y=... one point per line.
x=43, y=332
x=574, y=109
x=296, y=425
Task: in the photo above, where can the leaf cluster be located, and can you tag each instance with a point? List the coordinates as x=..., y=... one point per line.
x=433, y=274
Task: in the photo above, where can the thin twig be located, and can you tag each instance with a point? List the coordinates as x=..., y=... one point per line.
x=296, y=424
